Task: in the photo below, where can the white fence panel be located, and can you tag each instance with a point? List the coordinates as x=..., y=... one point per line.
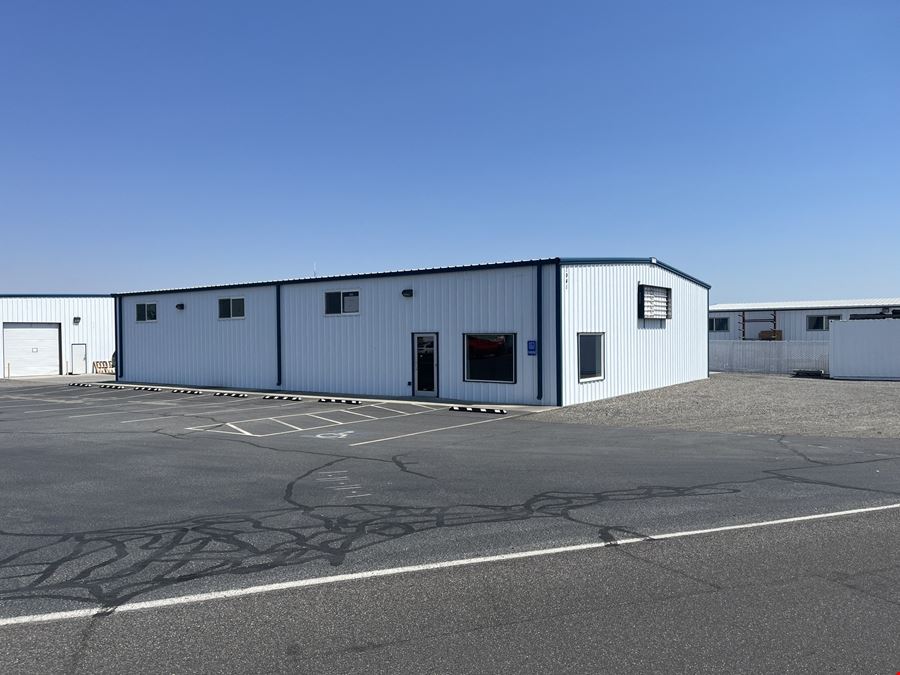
x=866, y=349
x=758, y=356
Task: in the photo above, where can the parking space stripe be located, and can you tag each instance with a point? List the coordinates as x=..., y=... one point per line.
x=351, y=412
x=215, y=412
x=431, y=431
x=275, y=419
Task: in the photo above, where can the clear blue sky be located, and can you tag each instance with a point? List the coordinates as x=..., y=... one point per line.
x=753, y=144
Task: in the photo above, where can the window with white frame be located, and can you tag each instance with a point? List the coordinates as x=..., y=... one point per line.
x=145, y=311
x=590, y=357
x=231, y=308
x=719, y=324
x=490, y=357
x=816, y=322
x=341, y=302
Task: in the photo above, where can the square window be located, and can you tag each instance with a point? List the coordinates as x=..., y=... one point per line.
x=341, y=302
x=145, y=311
x=490, y=357
x=590, y=356
x=718, y=324
x=231, y=308
x=815, y=322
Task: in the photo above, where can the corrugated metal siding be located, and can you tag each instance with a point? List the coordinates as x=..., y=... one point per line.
x=791, y=322
x=371, y=353
x=365, y=354
x=603, y=298
x=867, y=349
x=194, y=347
x=96, y=328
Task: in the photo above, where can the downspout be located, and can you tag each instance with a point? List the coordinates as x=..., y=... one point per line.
x=278, y=332
x=559, y=374
x=540, y=330
x=119, y=359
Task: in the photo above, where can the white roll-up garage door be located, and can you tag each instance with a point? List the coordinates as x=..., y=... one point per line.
x=30, y=349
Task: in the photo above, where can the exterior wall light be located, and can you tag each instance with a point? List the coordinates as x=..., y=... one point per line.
x=407, y=292
x=180, y=305
x=76, y=320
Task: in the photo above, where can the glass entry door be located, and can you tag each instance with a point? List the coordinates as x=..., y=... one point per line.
x=425, y=377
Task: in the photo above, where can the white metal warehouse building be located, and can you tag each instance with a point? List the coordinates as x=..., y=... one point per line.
x=55, y=334
x=554, y=331
x=797, y=320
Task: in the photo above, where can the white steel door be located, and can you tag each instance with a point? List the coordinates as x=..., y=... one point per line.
x=30, y=349
x=79, y=359
x=425, y=377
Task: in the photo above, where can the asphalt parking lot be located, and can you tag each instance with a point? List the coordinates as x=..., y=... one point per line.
x=307, y=536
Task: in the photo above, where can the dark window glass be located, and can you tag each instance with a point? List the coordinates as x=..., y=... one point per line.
x=224, y=308
x=151, y=312
x=351, y=302
x=333, y=302
x=237, y=308
x=141, y=312
x=718, y=325
x=815, y=323
x=590, y=356
x=491, y=357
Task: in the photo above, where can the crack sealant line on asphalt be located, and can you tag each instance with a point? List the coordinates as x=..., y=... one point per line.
x=393, y=571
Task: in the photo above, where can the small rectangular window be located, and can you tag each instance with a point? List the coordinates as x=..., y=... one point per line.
x=341, y=302
x=654, y=302
x=590, y=356
x=815, y=322
x=490, y=357
x=145, y=311
x=718, y=324
x=231, y=308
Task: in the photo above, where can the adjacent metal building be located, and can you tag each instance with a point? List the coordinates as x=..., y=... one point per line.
x=800, y=320
x=55, y=334
x=553, y=331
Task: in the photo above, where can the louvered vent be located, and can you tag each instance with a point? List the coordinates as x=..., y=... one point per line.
x=654, y=302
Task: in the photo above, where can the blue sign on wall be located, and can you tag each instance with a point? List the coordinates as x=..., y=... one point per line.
x=532, y=347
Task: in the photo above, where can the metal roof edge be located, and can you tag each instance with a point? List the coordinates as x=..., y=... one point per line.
x=346, y=277
x=778, y=307
x=56, y=295
x=634, y=261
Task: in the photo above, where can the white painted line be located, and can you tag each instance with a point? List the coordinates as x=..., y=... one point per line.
x=368, y=494
x=431, y=431
x=205, y=412
x=325, y=419
x=393, y=571
x=238, y=429
x=275, y=419
x=399, y=412
x=351, y=412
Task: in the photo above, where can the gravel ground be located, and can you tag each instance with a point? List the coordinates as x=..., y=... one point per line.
x=743, y=403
